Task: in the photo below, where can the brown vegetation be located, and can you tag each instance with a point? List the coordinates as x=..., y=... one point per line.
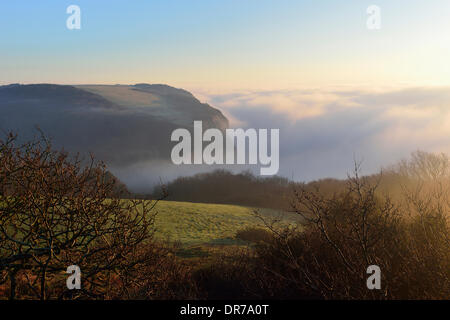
x=407, y=237
x=57, y=211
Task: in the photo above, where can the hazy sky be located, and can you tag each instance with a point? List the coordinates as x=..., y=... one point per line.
x=312, y=68
x=232, y=44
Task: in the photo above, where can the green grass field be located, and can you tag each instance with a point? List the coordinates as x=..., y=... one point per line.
x=206, y=224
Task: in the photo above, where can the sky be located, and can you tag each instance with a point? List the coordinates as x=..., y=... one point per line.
x=226, y=45
x=312, y=68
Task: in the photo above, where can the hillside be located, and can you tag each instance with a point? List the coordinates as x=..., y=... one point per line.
x=207, y=224
x=121, y=124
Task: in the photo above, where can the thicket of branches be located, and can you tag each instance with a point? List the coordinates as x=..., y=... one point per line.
x=57, y=211
x=343, y=233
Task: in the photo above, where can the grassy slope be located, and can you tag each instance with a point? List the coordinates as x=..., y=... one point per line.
x=197, y=223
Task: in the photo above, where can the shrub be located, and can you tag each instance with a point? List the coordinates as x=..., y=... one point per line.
x=346, y=233
x=57, y=211
x=253, y=234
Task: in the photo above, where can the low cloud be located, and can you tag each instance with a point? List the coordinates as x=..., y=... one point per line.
x=323, y=130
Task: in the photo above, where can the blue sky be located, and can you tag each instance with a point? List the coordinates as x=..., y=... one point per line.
x=309, y=67
x=226, y=44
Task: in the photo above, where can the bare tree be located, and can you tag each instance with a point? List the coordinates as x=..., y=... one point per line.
x=57, y=211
